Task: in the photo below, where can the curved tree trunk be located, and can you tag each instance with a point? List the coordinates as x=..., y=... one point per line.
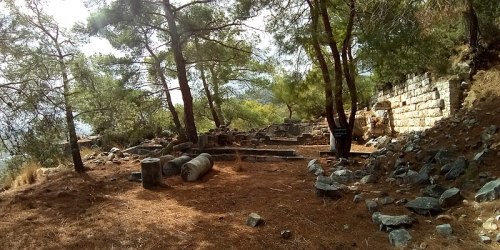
x=180, y=64
x=217, y=97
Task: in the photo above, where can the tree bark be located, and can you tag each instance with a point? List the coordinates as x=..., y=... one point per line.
x=73, y=140
x=290, y=111
x=217, y=97
x=207, y=89
x=180, y=64
x=473, y=25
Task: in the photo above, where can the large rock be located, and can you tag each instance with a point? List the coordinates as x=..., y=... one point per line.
x=423, y=175
x=424, y=205
x=490, y=191
x=433, y=191
x=399, y=237
x=342, y=176
x=327, y=190
x=450, y=197
x=444, y=156
x=458, y=168
x=389, y=222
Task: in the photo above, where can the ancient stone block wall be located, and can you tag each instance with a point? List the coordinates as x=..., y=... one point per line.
x=419, y=102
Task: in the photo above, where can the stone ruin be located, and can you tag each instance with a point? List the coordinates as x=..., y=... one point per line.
x=415, y=105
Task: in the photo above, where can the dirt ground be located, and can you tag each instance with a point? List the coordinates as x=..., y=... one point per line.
x=101, y=209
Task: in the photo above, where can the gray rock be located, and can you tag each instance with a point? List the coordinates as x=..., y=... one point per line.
x=458, y=168
x=110, y=157
x=342, y=176
x=446, y=168
x=401, y=201
x=327, y=190
x=357, y=198
x=324, y=179
x=389, y=222
x=450, y=197
x=490, y=191
x=387, y=200
x=433, y=191
x=372, y=206
x=444, y=229
x=497, y=239
x=368, y=179
x=424, y=205
x=399, y=237
x=315, y=168
x=444, y=156
x=286, y=234
x=422, y=178
x=254, y=220
x=135, y=176
x=484, y=239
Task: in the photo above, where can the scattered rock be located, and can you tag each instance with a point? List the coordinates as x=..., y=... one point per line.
x=357, y=198
x=314, y=167
x=135, y=176
x=389, y=222
x=372, y=206
x=387, y=200
x=450, y=197
x=490, y=191
x=433, y=191
x=286, y=234
x=444, y=229
x=327, y=190
x=369, y=179
x=401, y=201
x=254, y=220
x=424, y=205
x=458, y=168
x=423, y=175
x=484, y=239
x=399, y=237
x=497, y=239
x=444, y=156
x=490, y=224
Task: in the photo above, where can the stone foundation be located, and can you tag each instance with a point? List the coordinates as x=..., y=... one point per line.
x=419, y=103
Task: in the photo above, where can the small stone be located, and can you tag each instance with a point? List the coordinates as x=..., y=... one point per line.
x=399, y=237
x=497, y=239
x=433, y=191
x=372, y=206
x=450, y=197
x=458, y=168
x=286, y=234
x=135, y=176
x=327, y=190
x=490, y=224
x=444, y=229
x=368, y=179
x=401, y=201
x=490, y=191
x=484, y=239
x=254, y=220
x=389, y=222
x=387, y=200
x=357, y=198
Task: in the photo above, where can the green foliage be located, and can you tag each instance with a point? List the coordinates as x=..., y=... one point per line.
x=246, y=114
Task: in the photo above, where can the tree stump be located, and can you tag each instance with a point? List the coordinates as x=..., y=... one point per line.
x=197, y=167
x=173, y=167
x=151, y=173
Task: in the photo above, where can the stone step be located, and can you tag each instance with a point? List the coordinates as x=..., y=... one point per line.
x=244, y=151
x=253, y=158
x=352, y=153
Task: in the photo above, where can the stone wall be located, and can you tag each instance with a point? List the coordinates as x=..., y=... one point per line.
x=419, y=102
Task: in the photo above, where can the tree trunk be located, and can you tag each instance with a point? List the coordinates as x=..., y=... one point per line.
x=180, y=64
x=325, y=72
x=175, y=116
x=473, y=25
x=290, y=111
x=73, y=140
x=217, y=97
x=207, y=89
